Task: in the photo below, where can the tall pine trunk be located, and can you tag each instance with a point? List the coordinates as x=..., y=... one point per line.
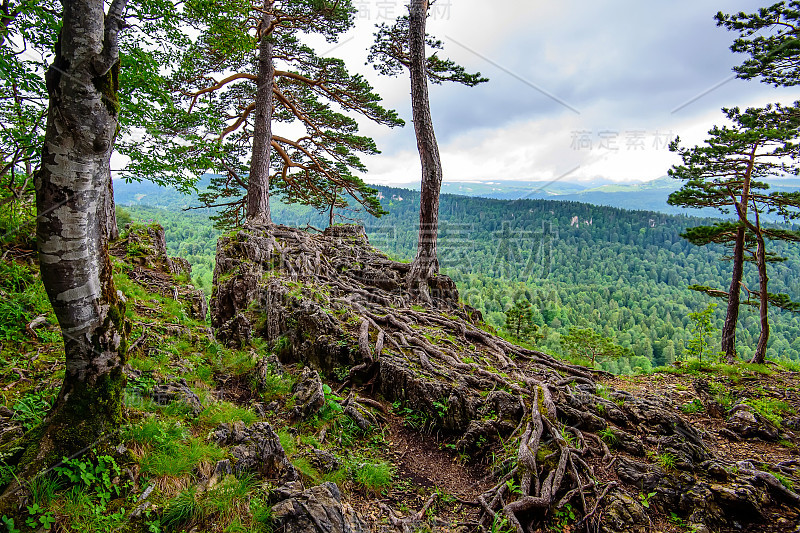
x=734, y=299
x=258, y=211
x=426, y=263
x=71, y=199
x=761, y=259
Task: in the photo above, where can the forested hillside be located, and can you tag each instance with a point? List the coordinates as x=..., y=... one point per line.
x=624, y=273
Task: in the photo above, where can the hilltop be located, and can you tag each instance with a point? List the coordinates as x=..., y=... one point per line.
x=320, y=371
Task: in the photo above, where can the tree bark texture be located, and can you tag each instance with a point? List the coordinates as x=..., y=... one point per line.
x=72, y=189
x=112, y=230
x=426, y=263
x=734, y=299
x=761, y=258
x=258, y=184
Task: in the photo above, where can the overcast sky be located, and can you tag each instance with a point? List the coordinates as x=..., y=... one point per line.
x=579, y=90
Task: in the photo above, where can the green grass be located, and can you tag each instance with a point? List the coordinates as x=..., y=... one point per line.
x=373, y=477
x=771, y=409
x=232, y=362
x=791, y=366
x=693, y=407
x=26, y=299
x=156, y=433
x=309, y=473
x=225, y=507
x=608, y=436
x=288, y=441
x=785, y=481
x=275, y=386
x=30, y=409
x=225, y=412
x=178, y=459
x=665, y=460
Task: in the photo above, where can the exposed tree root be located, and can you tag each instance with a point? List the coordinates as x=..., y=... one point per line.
x=343, y=304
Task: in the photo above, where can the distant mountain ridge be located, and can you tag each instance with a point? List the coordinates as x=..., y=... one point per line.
x=647, y=196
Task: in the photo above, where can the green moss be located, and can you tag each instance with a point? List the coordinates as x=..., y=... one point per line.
x=90, y=412
x=542, y=455
x=108, y=86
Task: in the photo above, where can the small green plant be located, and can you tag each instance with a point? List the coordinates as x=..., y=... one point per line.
x=9, y=523
x=770, y=409
x=569, y=437
x=677, y=520
x=513, y=487
x=332, y=400
x=500, y=525
x=603, y=392
x=608, y=436
x=441, y=408
x=665, y=460
x=39, y=517
x=31, y=408
x=785, y=481
x=97, y=477
x=693, y=407
x=374, y=477
x=562, y=518
x=413, y=419
x=702, y=329
x=644, y=499
x=722, y=394
x=282, y=344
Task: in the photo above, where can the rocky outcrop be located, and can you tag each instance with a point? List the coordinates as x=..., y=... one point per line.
x=256, y=449
x=337, y=305
x=145, y=248
x=308, y=395
x=744, y=423
x=177, y=391
x=319, y=509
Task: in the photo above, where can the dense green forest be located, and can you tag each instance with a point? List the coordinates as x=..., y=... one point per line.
x=623, y=273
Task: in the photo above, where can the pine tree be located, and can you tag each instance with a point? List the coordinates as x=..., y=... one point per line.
x=588, y=344
x=724, y=173
x=226, y=125
x=519, y=319
x=770, y=38
x=403, y=46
